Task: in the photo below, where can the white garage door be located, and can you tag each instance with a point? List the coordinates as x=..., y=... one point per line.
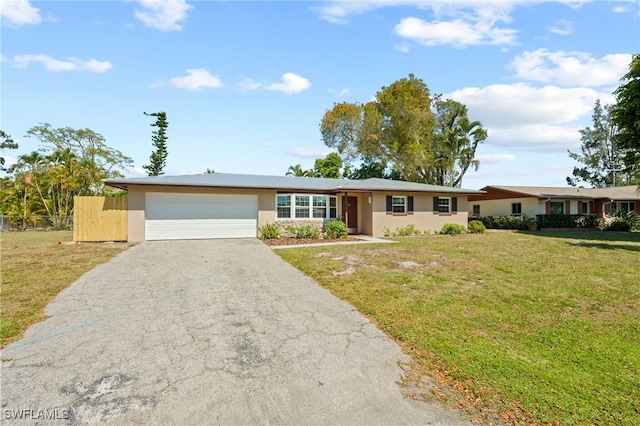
x=198, y=216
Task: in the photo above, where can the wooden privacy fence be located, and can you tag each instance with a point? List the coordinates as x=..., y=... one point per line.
x=100, y=219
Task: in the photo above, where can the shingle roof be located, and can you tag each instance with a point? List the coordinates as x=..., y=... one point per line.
x=617, y=193
x=228, y=180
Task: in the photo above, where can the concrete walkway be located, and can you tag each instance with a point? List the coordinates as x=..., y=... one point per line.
x=205, y=332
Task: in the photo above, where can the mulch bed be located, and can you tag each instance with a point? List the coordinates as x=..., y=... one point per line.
x=287, y=241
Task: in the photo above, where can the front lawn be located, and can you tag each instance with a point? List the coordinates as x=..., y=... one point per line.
x=36, y=266
x=515, y=327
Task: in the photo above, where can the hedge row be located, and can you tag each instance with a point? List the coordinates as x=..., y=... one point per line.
x=569, y=221
x=542, y=220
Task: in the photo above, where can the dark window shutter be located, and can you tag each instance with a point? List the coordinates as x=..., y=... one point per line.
x=435, y=205
x=410, y=204
x=547, y=207
x=454, y=205
x=389, y=204
x=567, y=207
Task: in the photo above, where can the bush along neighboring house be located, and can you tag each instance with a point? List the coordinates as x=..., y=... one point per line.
x=514, y=207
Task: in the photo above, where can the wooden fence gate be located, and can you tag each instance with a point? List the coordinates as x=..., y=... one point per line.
x=100, y=219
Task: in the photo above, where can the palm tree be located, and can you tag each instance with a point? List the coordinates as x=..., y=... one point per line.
x=470, y=134
x=297, y=171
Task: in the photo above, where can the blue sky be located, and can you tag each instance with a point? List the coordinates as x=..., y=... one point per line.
x=245, y=84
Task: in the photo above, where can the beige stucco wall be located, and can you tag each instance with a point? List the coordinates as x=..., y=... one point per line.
x=422, y=217
x=136, y=196
x=372, y=215
x=530, y=206
x=574, y=207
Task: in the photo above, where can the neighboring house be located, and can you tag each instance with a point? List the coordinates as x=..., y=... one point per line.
x=534, y=200
x=220, y=205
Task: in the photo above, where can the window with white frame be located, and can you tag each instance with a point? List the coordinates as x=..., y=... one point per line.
x=306, y=206
x=333, y=207
x=399, y=205
x=444, y=205
x=283, y=206
x=319, y=207
x=516, y=209
x=625, y=206
x=302, y=205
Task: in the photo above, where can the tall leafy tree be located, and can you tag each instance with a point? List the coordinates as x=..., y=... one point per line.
x=158, y=158
x=69, y=162
x=598, y=155
x=626, y=116
x=328, y=167
x=97, y=160
x=406, y=134
x=6, y=142
x=395, y=129
x=342, y=129
x=18, y=198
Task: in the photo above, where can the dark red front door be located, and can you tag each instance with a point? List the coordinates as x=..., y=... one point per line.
x=350, y=212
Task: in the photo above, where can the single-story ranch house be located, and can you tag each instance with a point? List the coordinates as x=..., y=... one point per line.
x=220, y=205
x=534, y=200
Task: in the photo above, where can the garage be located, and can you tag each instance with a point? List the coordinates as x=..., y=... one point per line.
x=184, y=216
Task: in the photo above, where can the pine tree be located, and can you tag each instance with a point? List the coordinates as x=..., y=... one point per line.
x=158, y=158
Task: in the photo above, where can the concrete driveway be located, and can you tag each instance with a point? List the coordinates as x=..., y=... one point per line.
x=205, y=332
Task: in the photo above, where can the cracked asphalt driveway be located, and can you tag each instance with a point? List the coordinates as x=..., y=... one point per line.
x=205, y=332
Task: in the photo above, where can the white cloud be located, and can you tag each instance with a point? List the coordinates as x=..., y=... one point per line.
x=521, y=104
x=340, y=93
x=537, y=138
x=403, y=47
x=460, y=23
x=562, y=27
x=15, y=13
x=291, y=83
x=491, y=159
x=196, y=79
x=55, y=65
x=621, y=9
x=165, y=15
x=309, y=153
x=247, y=84
x=520, y=116
x=456, y=32
x=339, y=11
x=571, y=68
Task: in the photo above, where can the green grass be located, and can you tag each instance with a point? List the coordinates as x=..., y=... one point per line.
x=535, y=328
x=36, y=266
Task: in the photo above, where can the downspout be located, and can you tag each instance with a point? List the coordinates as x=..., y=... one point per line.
x=604, y=204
